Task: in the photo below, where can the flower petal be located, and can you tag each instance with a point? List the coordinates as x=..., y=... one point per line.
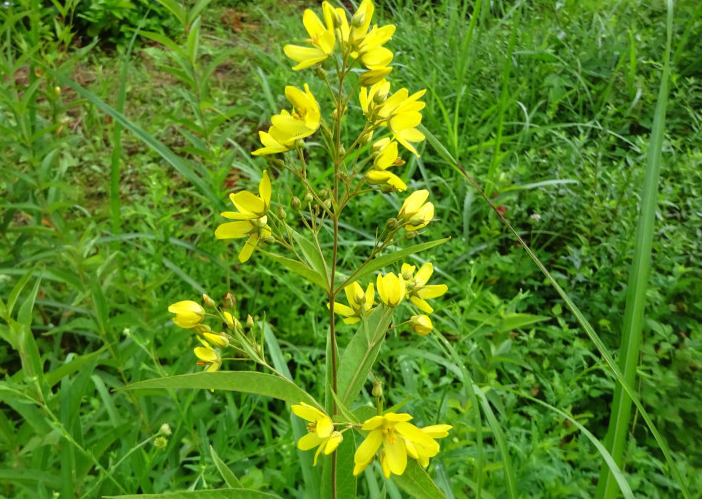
x=233, y=230
x=433, y=291
x=309, y=441
x=248, y=248
x=396, y=454
x=368, y=448
x=246, y=201
x=423, y=274
x=264, y=189
x=306, y=56
x=307, y=412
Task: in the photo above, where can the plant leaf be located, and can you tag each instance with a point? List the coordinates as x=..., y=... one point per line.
x=382, y=261
x=299, y=268
x=227, y=474
x=257, y=383
x=360, y=354
x=417, y=483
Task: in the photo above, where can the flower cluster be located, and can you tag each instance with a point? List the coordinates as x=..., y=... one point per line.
x=290, y=126
x=415, y=214
x=356, y=41
x=191, y=315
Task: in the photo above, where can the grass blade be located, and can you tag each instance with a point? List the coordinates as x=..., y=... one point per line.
x=632, y=329
x=174, y=160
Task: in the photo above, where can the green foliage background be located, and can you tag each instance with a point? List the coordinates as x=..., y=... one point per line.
x=547, y=105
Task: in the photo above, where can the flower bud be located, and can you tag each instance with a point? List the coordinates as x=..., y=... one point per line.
x=216, y=340
x=299, y=144
x=337, y=20
x=165, y=430
x=160, y=443
x=320, y=73
x=391, y=224
x=367, y=137
x=341, y=150
x=269, y=240
x=57, y=90
x=202, y=329
x=421, y=324
x=377, y=389
x=281, y=212
x=209, y=302
x=249, y=321
x=328, y=203
x=188, y=313
x=308, y=197
x=358, y=19
x=416, y=221
x=295, y=203
x=228, y=318
x=229, y=301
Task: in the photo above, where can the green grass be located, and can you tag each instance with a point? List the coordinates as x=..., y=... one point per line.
x=550, y=107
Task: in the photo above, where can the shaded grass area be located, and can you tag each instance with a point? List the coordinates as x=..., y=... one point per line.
x=548, y=105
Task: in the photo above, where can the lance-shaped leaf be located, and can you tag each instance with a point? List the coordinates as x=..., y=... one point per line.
x=385, y=260
x=359, y=356
x=267, y=385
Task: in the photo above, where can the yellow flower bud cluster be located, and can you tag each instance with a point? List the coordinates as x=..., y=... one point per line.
x=392, y=290
x=191, y=315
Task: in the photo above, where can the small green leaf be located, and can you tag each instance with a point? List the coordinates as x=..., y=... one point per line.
x=383, y=261
x=229, y=476
x=312, y=254
x=417, y=483
x=194, y=39
x=267, y=385
x=299, y=268
x=359, y=356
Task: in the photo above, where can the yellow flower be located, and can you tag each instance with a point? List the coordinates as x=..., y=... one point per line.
x=393, y=432
x=188, y=313
x=391, y=289
x=321, y=37
x=401, y=112
x=321, y=431
x=208, y=357
x=415, y=211
x=290, y=127
x=419, y=451
x=251, y=219
x=361, y=304
x=417, y=289
x=250, y=205
x=421, y=324
x=387, y=157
